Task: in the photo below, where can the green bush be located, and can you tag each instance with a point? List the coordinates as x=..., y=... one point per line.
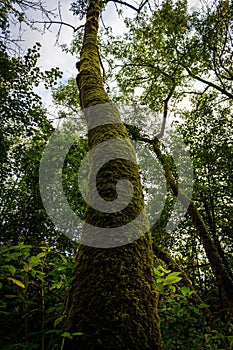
x=34, y=282
x=184, y=323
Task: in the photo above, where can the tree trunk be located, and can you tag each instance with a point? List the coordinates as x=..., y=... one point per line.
x=113, y=297
x=216, y=263
x=219, y=270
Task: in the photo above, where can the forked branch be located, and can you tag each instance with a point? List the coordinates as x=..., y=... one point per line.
x=129, y=5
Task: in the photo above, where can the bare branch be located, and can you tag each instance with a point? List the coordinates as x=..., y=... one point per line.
x=75, y=29
x=130, y=6
x=60, y=27
x=222, y=90
x=142, y=5
x=165, y=111
x=125, y=4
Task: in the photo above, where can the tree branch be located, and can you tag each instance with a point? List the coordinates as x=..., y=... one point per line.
x=222, y=90
x=128, y=5
x=75, y=29
x=142, y=5
x=165, y=111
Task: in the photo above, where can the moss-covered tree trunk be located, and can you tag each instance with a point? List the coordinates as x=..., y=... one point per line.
x=113, y=298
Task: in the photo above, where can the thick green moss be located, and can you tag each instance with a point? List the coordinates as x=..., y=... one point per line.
x=112, y=299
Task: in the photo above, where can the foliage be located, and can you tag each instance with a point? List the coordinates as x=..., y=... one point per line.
x=208, y=127
x=24, y=133
x=34, y=282
x=79, y=8
x=65, y=97
x=184, y=324
x=174, y=46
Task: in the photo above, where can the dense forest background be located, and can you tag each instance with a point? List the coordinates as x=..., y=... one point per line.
x=176, y=60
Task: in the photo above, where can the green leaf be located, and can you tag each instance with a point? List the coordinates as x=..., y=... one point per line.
x=56, y=285
x=51, y=309
x=17, y=282
x=164, y=270
x=196, y=311
x=58, y=320
x=54, y=331
x=42, y=255
x=34, y=261
x=172, y=278
x=12, y=256
x=203, y=306
x=173, y=288
x=11, y=296
x=186, y=291
x=67, y=335
x=158, y=273
x=11, y=268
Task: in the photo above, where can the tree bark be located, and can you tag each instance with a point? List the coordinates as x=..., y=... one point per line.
x=113, y=296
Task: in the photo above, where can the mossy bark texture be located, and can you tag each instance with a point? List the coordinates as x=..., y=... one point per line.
x=112, y=299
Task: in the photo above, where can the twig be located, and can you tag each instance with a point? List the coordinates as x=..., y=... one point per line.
x=75, y=29
x=142, y=5
x=124, y=3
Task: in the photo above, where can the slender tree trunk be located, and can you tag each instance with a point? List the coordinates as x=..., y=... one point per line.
x=113, y=298
x=216, y=263
x=219, y=270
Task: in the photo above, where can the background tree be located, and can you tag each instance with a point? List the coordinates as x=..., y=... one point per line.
x=155, y=52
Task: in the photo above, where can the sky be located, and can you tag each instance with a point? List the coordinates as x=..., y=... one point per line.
x=51, y=53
